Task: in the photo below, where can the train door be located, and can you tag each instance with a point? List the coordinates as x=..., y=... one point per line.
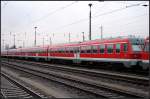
x=117, y=50
x=77, y=55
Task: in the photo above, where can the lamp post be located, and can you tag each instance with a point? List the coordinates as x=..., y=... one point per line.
x=101, y=32
x=35, y=36
x=14, y=41
x=24, y=40
x=43, y=40
x=69, y=37
x=90, y=22
x=3, y=44
x=50, y=40
x=83, y=36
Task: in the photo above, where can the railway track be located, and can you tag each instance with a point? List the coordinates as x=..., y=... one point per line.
x=78, y=82
x=134, y=79
x=103, y=67
x=11, y=88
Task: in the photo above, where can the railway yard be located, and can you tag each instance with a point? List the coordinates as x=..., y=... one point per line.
x=28, y=79
x=75, y=49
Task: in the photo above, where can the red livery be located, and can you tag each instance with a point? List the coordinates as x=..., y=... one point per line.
x=127, y=51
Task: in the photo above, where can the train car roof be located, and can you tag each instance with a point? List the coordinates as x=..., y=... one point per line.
x=72, y=44
x=111, y=40
x=97, y=41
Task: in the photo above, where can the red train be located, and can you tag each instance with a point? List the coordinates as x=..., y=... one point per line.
x=145, y=54
x=126, y=51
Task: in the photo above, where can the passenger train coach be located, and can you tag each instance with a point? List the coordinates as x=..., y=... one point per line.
x=126, y=51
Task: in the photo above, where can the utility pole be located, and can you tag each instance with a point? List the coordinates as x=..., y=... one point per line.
x=83, y=36
x=35, y=36
x=69, y=37
x=101, y=32
x=43, y=40
x=3, y=44
x=50, y=40
x=90, y=22
x=14, y=41
x=24, y=39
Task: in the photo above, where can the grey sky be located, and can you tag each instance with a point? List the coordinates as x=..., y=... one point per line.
x=63, y=17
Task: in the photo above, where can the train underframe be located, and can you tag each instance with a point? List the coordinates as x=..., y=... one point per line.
x=136, y=64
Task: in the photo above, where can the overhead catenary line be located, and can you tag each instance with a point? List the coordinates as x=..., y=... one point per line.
x=59, y=9
x=106, y=13
x=133, y=18
x=136, y=19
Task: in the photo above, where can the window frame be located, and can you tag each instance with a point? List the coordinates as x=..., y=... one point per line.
x=124, y=47
x=104, y=46
x=94, y=48
x=116, y=48
x=111, y=48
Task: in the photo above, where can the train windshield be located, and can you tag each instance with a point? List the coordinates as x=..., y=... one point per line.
x=136, y=48
x=137, y=44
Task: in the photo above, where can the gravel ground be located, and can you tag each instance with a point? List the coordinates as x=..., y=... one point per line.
x=49, y=87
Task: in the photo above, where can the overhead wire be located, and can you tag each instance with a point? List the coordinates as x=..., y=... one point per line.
x=137, y=18
x=133, y=18
x=99, y=9
x=61, y=8
x=106, y=13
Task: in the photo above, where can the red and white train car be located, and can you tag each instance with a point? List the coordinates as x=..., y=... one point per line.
x=64, y=51
x=119, y=50
x=38, y=52
x=116, y=50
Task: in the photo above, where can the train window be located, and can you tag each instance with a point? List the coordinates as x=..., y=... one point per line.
x=82, y=49
x=49, y=50
x=67, y=50
x=94, y=48
x=77, y=49
x=136, y=48
x=102, y=48
x=59, y=50
x=125, y=47
x=110, y=48
x=88, y=49
x=71, y=51
x=117, y=48
x=52, y=50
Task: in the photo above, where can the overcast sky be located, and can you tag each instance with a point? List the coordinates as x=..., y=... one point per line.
x=56, y=19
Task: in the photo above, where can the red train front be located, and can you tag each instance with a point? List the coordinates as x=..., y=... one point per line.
x=145, y=55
